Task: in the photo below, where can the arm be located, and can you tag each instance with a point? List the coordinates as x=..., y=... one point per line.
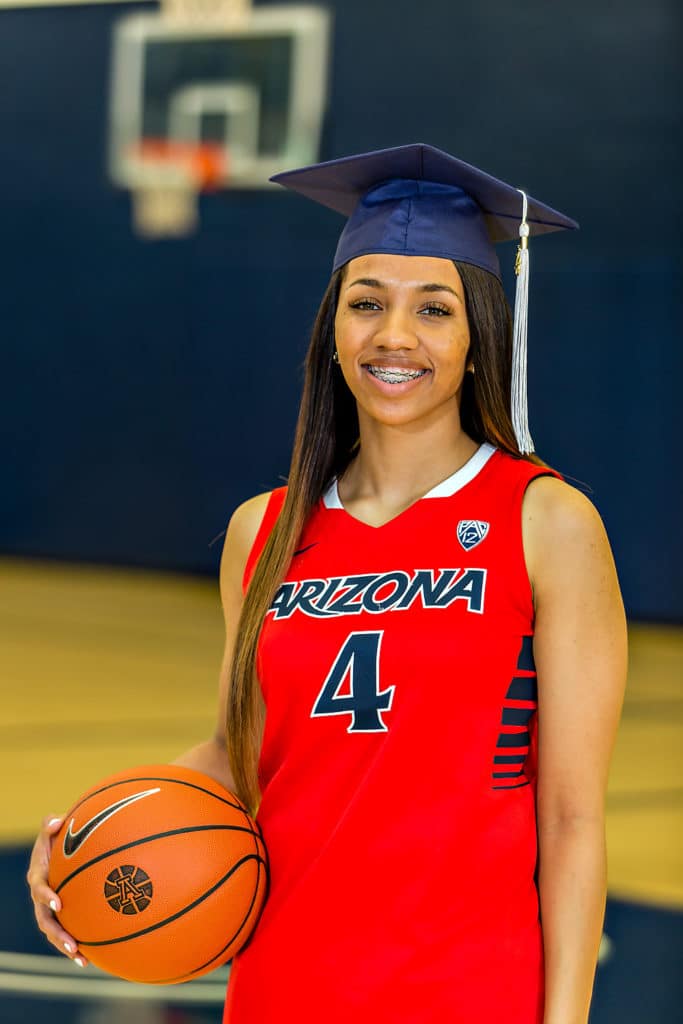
x=580, y=654
x=211, y=756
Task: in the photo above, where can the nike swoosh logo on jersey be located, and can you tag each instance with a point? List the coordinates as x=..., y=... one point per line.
x=301, y=550
x=74, y=840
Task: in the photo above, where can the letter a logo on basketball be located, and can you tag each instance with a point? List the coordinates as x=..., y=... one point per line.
x=74, y=840
x=128, y=889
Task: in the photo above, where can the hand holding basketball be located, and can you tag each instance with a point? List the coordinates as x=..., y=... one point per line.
x=45, y=901
x=161, y=874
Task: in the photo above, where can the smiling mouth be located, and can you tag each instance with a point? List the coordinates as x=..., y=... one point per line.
x=394, y=375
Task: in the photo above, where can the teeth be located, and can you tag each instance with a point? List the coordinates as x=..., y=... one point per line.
x=393, y=375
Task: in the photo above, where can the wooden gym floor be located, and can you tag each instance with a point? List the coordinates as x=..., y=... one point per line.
x=104, y=668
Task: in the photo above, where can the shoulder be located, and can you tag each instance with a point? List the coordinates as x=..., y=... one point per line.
x=247, y=518
x=553, y=507
x=240, y=537
x=563, y=532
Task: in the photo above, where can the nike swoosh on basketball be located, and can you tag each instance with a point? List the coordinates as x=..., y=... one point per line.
x=74, y=840
x=301, y=550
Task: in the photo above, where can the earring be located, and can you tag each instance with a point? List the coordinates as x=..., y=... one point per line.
x=470, y=369
x=335, y=356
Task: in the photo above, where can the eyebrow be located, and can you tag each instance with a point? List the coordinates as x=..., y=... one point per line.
x=433, y=286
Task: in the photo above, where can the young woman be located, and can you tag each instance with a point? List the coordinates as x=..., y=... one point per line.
x=425, y=645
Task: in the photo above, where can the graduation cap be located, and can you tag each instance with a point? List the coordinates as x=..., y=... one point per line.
x=416, y=200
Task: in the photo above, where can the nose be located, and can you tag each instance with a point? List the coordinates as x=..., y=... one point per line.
x=396, y=330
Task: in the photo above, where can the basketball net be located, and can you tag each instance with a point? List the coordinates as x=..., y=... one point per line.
x=165, y=202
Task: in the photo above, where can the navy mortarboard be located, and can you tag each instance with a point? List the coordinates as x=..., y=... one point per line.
x=419, y=201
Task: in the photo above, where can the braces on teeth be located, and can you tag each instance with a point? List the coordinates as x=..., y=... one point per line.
x=395, y=376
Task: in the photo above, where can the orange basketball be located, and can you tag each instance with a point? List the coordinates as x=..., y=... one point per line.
x=161, y=872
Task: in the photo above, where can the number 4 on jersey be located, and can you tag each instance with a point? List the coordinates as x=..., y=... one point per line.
x=359, y=658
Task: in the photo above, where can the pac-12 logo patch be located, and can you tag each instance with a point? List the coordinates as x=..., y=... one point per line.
x=471, y=532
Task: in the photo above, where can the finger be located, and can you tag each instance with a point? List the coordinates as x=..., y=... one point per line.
x=41, y=893
x=36, y=876
x=58, y=936
x=40, y=854
x=37, y=880
x=50, y=825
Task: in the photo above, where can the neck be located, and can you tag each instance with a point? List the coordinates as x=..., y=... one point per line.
x=398, y=463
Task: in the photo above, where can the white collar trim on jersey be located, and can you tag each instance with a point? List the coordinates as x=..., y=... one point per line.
x=445, y=489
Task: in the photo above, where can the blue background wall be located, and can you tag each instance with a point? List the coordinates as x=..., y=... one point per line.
x=149, y=387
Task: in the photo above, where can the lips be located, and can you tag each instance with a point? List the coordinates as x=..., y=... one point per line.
x=395, y=364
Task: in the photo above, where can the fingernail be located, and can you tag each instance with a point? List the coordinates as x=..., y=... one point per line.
x=53, y=906
x=77, y=960
x=53, y=821
x=68, y=947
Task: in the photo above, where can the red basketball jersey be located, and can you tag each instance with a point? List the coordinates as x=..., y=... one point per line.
x=398, y=766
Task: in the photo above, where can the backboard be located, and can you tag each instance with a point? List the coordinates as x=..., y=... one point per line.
x=213, y=97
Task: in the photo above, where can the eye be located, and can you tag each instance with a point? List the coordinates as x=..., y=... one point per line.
x=436, y=309
x=364, y=304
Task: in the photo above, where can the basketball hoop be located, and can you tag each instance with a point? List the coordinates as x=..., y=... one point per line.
x=169, y=176
x=209, y=96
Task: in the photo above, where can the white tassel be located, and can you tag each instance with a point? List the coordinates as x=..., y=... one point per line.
x=520, y=414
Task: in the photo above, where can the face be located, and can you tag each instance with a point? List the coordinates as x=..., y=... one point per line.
x=402, y=336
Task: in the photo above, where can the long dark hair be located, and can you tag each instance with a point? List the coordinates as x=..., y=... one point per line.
x=325, y=442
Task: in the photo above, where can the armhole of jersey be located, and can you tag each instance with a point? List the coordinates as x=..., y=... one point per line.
x=539, y=472
x=273, y=507
x=531, y=763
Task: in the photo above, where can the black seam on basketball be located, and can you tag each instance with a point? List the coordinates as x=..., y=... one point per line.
x=173, y=917
x=149, y=839
x=258, y=826
x=152, y=778
x=221, y=952
x=266, y=868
